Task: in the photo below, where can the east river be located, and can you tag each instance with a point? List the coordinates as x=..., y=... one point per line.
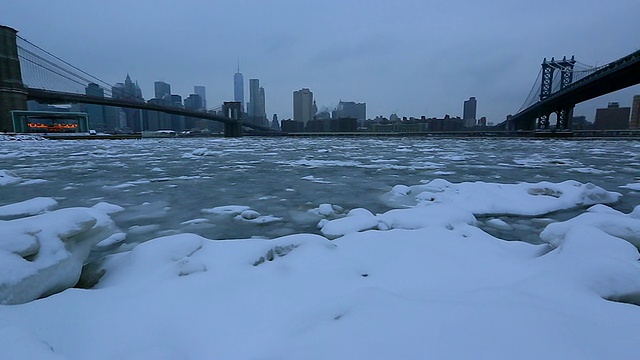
x=165, y=184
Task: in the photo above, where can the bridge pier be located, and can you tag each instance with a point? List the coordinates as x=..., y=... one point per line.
x=232, y=110
x=564, y=114
x=13, y=95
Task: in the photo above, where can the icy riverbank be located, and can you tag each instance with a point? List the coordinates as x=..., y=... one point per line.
x=421, y=281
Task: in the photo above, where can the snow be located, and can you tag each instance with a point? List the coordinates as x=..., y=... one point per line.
x=33, y=206
x=44, y=254
x=327, y=210
x=20, y=137
x=107, y=208
x=356, y=220
x=227, y=209
x=483, y=198
x=418, y=281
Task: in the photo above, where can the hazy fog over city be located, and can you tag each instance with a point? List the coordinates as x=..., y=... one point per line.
x=410, y=57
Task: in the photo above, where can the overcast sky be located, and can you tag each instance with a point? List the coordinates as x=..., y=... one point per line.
x=412, y=57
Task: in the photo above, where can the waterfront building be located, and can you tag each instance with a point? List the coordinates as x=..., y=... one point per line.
x=469, y=112
x=634, y=123
x=350, y=109
x=303, y=106
x=613, y=117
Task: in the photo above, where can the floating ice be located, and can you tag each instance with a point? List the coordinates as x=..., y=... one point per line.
x=112, y=240
x=632, y=186
x=107, y=208
x=8, y=177
x=525, y=199
x=315, y=179
x=227, y=209
x=250, y=214
x=499, y=224
x=327, y=210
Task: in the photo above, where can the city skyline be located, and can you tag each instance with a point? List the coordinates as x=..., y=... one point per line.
x=411, y=67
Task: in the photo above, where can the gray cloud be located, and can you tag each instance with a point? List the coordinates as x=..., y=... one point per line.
x=411, y=57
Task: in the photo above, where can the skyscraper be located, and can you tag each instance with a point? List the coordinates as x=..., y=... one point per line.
x=469, y=112
x=635, y=113
x=200, y=90
x=162, y=90
x=257, y=111
x=96, y=113
x=303, y=106
x=238, y=87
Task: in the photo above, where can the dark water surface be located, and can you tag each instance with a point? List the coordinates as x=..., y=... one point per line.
x=164, y=184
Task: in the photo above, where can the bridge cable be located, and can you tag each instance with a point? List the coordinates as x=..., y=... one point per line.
x=64, y=62
x=528, y=100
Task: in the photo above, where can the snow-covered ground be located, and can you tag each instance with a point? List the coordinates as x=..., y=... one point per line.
x=418, y=275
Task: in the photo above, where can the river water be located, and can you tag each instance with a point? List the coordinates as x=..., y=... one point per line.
x=165, y=184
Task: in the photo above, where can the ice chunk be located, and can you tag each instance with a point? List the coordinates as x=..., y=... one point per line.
x=33, y=206
x=483, y=198
x=8, y=177
x=357, y=220
x=112, y=240
x=439, y=215
x=44, y=254
x=108, y=208
x=632, y=186
x=227, y=209
x=327, y=210
x=401, y=190
x=611, y=222
x=250, y=214
x=499, y=224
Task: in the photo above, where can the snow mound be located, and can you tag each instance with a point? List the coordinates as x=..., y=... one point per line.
x=29, y=207
x=356, y=220
x=44, y=254
x=602, y=218
x=435, y=291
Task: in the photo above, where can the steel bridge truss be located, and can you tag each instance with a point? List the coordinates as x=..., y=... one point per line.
x=563, y=115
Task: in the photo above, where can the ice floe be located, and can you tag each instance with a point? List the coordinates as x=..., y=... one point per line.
x=9, y=177
x=482, y=198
